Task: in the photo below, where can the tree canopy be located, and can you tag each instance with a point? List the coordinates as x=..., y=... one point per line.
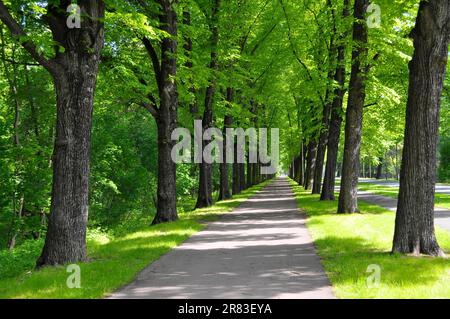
x=277, y=57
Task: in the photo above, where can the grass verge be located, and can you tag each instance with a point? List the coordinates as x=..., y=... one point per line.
x=349, y=244
x=115, y=261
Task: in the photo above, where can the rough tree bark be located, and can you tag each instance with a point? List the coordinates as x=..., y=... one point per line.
x=242, y=183
x=193, y=105
x=297, y=168
x=321, y=149
x=310, y=163
x=323, y=136
x=251, y=166
x=348, y=201
x=236, y=174
x=255, y=174
x=74, y=73
x=205, y=179
x=304, y=154
x=379, y=168
x=224, y=189
x=249, y=173
x=165, y=69
x=291, y=170
x=414, y=224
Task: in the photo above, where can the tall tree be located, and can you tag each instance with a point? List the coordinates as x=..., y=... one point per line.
x=348, y=200
x=224, y=188
x=205, y=177
x=414, y=224
x=298, y=169
x=334, y=130
x=74, y=71
x=166, y=114
x=188, y=49
x=323, y=135
x=242, y=182
x=379, y=168
x=310, y=163
x=236, y=175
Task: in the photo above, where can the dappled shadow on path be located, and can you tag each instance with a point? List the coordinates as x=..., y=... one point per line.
x=274, y=271
x=261, y=250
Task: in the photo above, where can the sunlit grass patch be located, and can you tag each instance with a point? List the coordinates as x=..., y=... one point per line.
x=349, y=244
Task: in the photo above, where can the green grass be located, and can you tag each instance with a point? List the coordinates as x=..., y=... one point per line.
x=348, y=244
x=113, y=261
x=440, y=200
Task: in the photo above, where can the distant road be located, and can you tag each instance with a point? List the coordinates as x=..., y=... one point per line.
x=440, y=188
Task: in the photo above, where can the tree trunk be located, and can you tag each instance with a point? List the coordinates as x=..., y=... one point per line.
x=166, y=116
x=318, y=168
x=205, y=180
x=255, y=173
x=193, y=105
x=321, y=149
x=333, y=149
x=66, y=235
x=414, y=224
x=291, y=170
x=348, y=200
x=242, y=183
x=236, y=176
x=323, y=136
x=301, y=166
x=204, y=198
x=258, y=172
x=297, y=168
x=336, y=117
x=397, y=170
x=310, y=163
x=224, y=189
x=166, y=203
x=249, y=173
x=379, y=169
x=74, y=72
x=251, y=167
x=304, y=164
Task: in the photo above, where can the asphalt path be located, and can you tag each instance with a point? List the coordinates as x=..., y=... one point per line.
x=260, y=250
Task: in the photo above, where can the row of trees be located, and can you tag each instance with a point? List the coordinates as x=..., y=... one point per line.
x=151, y=47
x=414, y=230
x=158, y=65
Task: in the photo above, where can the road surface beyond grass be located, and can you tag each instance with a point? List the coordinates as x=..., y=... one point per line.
x=115, y=261
x=440, y=200
x=348, y=244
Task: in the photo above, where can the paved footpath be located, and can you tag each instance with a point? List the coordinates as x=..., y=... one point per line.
x=441, y=215
x=260, y=250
